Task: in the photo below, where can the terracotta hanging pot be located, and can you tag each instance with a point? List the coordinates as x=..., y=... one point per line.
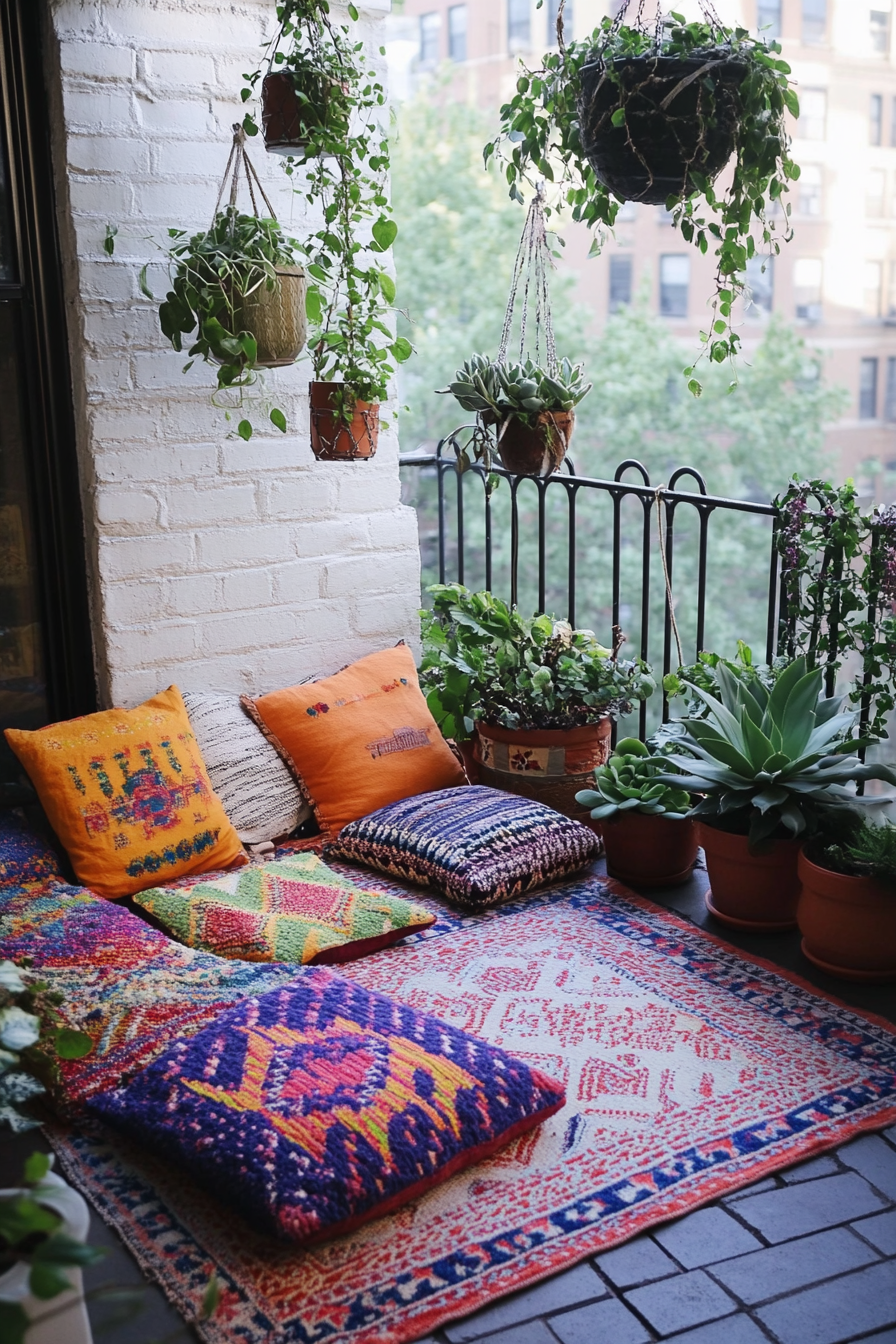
x=335, y=439
x=757, y=892
x=665, y=137
x=287, y=118
x=649, y=851
x=848, y=923
x=537, y=451
x=550, y=765
x=276, y=318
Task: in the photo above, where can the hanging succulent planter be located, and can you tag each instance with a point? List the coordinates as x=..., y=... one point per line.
x=654, y=114
x=236, y=289
x=343, y=428
x=528, y=407
x=306, y=87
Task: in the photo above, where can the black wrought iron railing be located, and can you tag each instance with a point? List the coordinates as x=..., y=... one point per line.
x=571, y=545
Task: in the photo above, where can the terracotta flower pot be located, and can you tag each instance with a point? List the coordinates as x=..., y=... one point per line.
x=848, y=923
x=332, y=438
x=286, y=119
x=550, y=765
x=276, y=318
x=758, y=892
x=538, y=451
x=647, y=851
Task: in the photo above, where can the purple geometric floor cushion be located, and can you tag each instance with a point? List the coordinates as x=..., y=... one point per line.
x=315, y=1107
x=293, y=910
x=479, y=846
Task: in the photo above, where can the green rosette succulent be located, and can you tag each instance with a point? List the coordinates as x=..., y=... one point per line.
x=522, y=389
x=629, y=782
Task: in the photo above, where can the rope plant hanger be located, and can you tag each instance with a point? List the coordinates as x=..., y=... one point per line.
x=651, y=109
x=529, y=403
x=236, y=289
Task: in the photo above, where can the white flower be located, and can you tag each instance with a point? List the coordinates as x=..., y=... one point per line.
x=11, y=977
x=18, y=1029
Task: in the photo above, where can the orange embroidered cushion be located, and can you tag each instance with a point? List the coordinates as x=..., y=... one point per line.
x=127, y=792
x=360, y=739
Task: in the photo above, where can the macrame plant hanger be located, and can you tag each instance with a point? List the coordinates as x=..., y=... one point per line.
x=533, y=259
x=239, y=159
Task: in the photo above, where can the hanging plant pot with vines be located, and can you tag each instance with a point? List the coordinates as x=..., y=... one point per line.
x=654, y=113
x=236, y=289
x=306, y=84
x=527, y=406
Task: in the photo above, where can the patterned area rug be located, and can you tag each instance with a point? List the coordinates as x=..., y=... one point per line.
x=690, y=1071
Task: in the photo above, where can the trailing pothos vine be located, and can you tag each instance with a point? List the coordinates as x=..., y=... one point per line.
x=341, y=173
x=543, y=132
x=838, y=568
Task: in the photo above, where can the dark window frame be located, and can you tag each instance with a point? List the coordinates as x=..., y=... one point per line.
x=455, y=33
x=868, y=387
x=47, y=389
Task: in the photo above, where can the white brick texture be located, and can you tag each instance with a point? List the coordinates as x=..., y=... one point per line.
x=215, y=564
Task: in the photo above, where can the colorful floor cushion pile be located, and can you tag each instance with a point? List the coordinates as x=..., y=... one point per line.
x=316, y=1107
x=478, y=846
x=295, y=909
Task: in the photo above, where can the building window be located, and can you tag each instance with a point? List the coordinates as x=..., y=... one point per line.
x=552, y=8
x=880, y=31
x=519, y=25
x=620, y=282
x=876, y=119
x=807, y=288
x=457, y=32
x=812, y=124
x=815, y=22
x=809, y=191
x=760, y=287
x=890, y=391
x=430, y=24
x=675, y=274
x=875, y=193
x=868, y=389
x=871, y=288
x=768, y=18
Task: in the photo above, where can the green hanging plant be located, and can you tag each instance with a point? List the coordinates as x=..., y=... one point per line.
x=631, y=113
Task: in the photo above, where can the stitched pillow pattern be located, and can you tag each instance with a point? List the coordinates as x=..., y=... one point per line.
x=313, y=1108
x=478, y=846
x=292, y=910
x=259, y=794
x=128, y=795
x=359, y=739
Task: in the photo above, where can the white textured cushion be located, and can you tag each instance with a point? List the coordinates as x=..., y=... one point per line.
x=259, y=794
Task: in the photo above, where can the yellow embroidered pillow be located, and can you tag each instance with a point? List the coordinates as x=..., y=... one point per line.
x=127, y=792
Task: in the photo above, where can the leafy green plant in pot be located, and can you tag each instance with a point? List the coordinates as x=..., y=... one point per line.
x=341, y=174
x=653, y=114
x=534, y=695
x=648, y=837
x=847, y=908
x=774, y=767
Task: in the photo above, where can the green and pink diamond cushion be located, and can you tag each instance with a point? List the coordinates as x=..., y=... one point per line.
x=293, y=910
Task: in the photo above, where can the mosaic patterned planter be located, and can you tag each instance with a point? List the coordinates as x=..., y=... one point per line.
x=550, y=765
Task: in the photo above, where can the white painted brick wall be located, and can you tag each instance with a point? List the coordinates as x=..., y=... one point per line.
x=214, y=563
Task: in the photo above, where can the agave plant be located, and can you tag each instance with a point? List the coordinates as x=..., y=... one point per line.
x=629, y=782
x=487, y=387
x=772, y=760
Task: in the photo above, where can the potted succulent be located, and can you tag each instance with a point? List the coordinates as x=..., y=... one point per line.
x=535, y=696
x=306, y=98
x=238, y=292
x=649, y=839
x=654, y=113
x=847, y=907
x=532, y=410
x=773, y=766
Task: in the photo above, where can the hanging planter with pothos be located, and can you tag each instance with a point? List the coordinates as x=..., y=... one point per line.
x=655, y=114
x=524, y=409
x=323, y=110
x=237, y=289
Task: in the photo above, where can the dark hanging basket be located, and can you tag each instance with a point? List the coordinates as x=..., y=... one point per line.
x=293, y=105
x=335, y=439
x=681, y=116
